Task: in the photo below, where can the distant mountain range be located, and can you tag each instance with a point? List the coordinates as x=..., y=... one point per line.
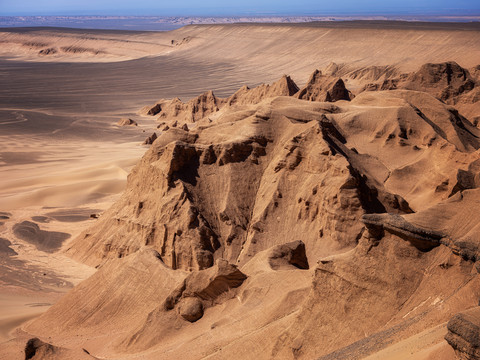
x=170, y=23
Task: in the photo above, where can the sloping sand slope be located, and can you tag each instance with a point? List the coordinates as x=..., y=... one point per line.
x=262, y=222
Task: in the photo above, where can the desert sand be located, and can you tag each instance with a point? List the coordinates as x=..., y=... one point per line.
x=310, y=191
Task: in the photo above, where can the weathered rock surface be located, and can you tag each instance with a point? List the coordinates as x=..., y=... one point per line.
x=208, y=104
x=381, y=190
x=464, y=334
x=191, y=111
x=149, y=140
x=36, y=349
x=398, y=291
x=288, y=255
x=323, y=88
x=467, y=179
x=446, y=81
x=126, y=122
x=423, y=239
x=154, y=110
x=449, y=79
x=203, y=289
x=244, y=96
x=190, y=308
x=203, y=222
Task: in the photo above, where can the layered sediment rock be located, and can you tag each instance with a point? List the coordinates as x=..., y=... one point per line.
x=464, y=334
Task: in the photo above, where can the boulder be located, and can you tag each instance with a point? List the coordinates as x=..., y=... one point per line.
x=203, y=289
x=288, y=255
x=190, y=308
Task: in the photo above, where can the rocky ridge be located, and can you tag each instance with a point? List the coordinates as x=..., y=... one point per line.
x=332, y=204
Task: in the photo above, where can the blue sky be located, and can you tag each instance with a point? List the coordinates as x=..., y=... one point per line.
x=243, y=7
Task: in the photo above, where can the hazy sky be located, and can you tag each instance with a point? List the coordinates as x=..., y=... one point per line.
x=242, y=7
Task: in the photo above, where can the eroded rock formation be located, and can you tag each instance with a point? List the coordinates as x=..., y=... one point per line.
x=311, y=228
x=324, y=88
x=464, y=334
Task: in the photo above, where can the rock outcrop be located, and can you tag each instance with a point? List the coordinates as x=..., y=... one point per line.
x=324, y=88
x=206, y=106
x=423, y=239
x=468, y=179
x=190, y=222
x=447, y=81
x=245, y=96
x=203, y=289
x=416, y=253
x=149, y=140
x=36, y=349
x=224, y=222
x=288, y=255
x=154, y=110
x=464, y=334
x=189, y=112
x=126, y=122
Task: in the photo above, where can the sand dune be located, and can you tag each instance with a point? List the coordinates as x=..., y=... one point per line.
x=19, y=309
x=77, y=45
x=288, y=48
x=405, y=47
x=294, y=218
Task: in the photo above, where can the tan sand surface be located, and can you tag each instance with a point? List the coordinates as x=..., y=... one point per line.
x=17, y=309
x=235, y=179
x=429, y=344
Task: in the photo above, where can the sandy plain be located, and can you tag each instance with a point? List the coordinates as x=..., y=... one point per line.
x=63, y=157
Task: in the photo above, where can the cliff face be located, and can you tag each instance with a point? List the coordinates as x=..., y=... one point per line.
x=222, y=189
x=287, y=167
